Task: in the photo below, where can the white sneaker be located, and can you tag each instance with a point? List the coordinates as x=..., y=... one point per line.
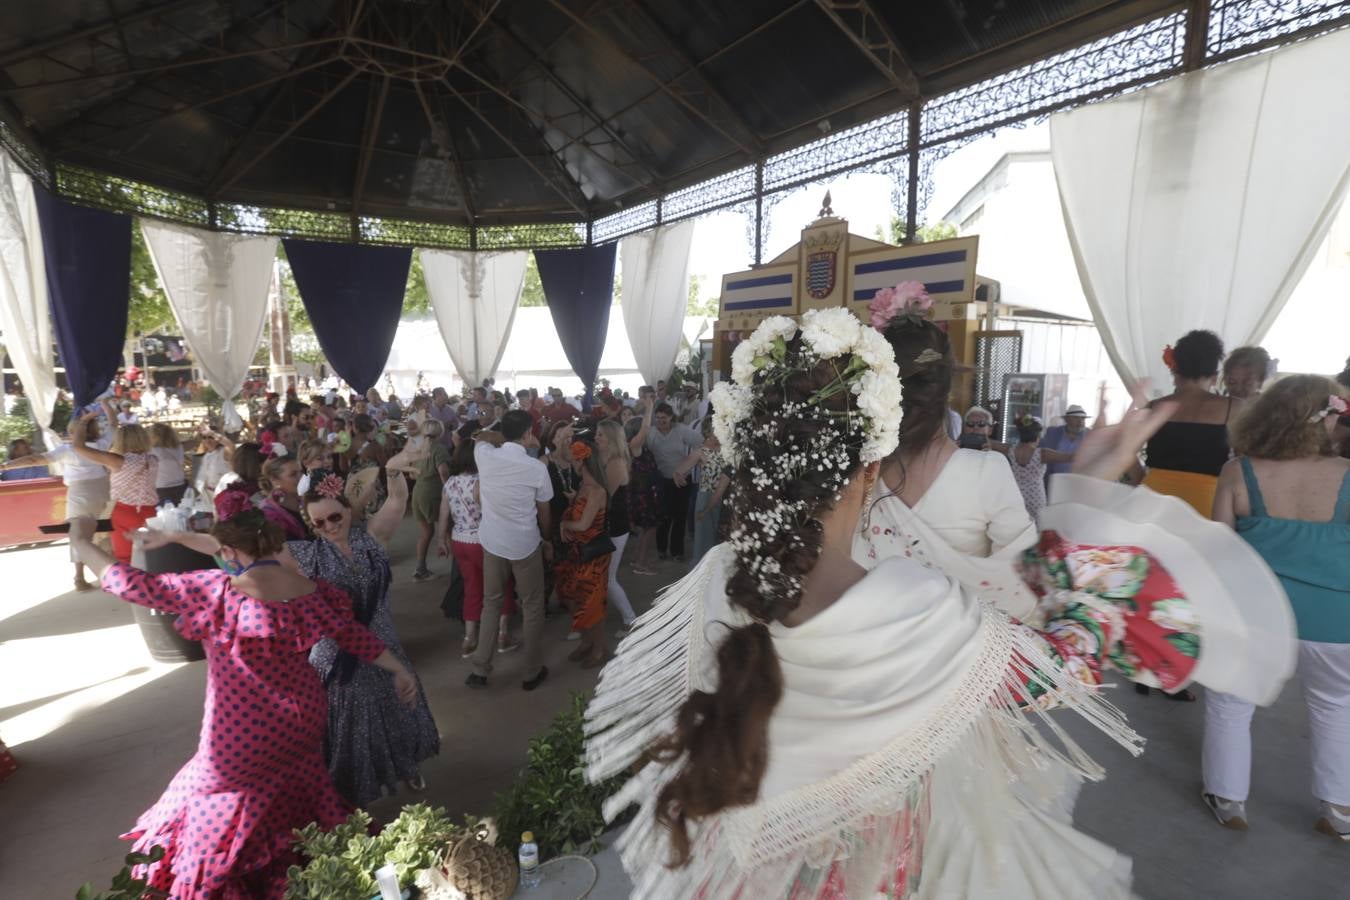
x=1334, y=823
x=574, y=635
x=1230, y=813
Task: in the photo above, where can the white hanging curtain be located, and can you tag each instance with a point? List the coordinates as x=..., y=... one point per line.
x=217, y=285
x=1199, y=203
x=24, y=316
x=655, y=295
x=474, y=296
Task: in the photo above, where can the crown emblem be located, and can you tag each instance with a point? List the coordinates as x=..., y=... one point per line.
x=823, y=241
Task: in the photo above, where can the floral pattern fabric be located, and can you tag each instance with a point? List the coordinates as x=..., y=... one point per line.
x=1112, y=606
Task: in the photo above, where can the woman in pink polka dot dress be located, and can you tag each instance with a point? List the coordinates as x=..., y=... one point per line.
x=226, y=818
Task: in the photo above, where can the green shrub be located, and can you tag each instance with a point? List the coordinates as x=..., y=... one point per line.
x=342, y=862
x=551, y=796
x=17, y=425
x=124, y=887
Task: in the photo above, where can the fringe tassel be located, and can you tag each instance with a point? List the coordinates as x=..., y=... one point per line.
x=768, y=848
x=643, y=687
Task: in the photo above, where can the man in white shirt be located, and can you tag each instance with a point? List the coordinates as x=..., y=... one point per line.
x=515, y=533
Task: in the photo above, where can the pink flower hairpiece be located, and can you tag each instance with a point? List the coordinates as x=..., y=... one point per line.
x=908, y=298
x=331, y=486
x=1336, y=405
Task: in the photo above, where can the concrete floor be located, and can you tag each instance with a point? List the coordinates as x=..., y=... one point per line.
x=99, y=729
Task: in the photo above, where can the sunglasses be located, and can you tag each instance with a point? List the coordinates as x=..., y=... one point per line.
x=330, y=519
x=978, y=424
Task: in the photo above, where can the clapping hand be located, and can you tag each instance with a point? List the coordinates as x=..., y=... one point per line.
x=1109, y=451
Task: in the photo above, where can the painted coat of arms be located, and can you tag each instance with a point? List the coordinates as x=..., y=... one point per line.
x=822, y=263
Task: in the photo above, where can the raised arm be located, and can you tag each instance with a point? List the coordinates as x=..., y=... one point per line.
x=175, y=593
x=640, y=439
x=78, y=437
x=385, y=522
x=1226, y=496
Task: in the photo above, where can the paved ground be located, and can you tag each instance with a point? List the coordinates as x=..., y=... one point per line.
x=99, y=729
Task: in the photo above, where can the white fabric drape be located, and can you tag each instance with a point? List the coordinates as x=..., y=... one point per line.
x=474, y=296
x=24, y=316
x=1198, y=203
x=217, y=285
x=656, y=294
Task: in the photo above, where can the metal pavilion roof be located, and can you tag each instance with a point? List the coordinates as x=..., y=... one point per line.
x=488, y=123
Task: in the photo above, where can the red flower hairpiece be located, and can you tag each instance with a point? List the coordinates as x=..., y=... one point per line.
x=230, y=503
x=1170, y=358
x=581, y=450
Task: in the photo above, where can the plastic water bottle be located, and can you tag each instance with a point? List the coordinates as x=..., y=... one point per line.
x=530, y=876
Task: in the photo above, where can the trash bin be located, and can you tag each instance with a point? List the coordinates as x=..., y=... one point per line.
x=161, y=638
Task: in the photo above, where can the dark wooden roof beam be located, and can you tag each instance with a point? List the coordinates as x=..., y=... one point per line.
x=222, y=182
x=29, y=51
x=585, y=109
x=567, y=196
x=374, y=116
x=746, y=140
x=242, y=27
x=869, y=33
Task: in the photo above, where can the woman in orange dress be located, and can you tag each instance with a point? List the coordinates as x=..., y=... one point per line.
x=582, y=582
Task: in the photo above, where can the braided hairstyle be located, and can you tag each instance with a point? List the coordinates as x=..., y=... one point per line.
x=923, y=353
x=795, y=457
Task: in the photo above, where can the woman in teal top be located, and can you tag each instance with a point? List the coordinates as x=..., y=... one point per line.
x=1288, y=495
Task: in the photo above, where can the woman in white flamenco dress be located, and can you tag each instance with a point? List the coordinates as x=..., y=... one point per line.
x=798, y=727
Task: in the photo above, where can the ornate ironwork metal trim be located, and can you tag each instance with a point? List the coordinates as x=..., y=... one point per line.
x=1236, y=25
x=1125, y=60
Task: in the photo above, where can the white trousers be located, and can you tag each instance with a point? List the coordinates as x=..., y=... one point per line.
x=1324, y=670
x=617, y=595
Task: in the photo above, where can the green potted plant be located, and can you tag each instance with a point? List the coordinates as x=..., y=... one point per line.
x=125, y=887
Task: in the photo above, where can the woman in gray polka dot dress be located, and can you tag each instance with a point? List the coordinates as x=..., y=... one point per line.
x=373, y=742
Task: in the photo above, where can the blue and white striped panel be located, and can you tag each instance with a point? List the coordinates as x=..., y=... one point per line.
x=943, y=272
x=757, y=292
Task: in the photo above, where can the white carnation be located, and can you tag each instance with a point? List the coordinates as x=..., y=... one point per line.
x=731, y=404
x=877, y=352
x=743, y=363
x=831, y=332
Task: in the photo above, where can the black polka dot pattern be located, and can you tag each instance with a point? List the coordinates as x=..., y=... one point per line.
x=226, y=818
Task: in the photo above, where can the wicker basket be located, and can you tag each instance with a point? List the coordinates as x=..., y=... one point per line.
x=474, y=867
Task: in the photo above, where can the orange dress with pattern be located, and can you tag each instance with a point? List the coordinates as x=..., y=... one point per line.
x=583, y=585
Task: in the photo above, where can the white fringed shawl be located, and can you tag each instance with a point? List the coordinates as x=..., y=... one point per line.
x=900, y=673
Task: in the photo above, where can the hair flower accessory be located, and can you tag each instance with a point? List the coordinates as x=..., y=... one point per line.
x=1336, y=405
x=1170, y=358
x=230, y=503
x=581, y=451
x=908, y=298
x=330, y=486
x=871, y=376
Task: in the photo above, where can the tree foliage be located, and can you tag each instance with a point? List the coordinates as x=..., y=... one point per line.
x=937, y=231
x=698, y=304
x=149, y=311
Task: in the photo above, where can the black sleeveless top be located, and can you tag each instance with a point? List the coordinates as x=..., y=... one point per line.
x=1190, y=447
x=618, y=512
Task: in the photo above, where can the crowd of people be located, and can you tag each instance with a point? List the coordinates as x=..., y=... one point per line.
x=800, y=493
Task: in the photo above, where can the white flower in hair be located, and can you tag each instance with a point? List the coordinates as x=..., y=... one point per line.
x=731, y=403
x=831, y=332
x=752, y=353
x=877, y=352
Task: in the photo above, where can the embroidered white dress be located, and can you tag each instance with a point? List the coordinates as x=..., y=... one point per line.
x=903, y=761
x=971, y=525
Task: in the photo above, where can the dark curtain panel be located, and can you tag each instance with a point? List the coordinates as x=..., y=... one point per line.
x=579, y=287
x=354, y=295
x=88, y=263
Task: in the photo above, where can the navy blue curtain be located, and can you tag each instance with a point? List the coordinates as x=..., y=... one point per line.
x=579, y=287
x=88, y=263
x=354, y=295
